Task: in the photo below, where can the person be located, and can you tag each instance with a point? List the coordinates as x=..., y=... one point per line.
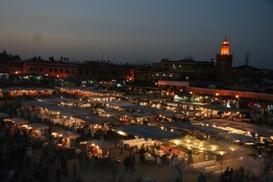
x=58, y=174
x=190, y=159
x=79, y=179
x=11, y=174
x=29, y=154
x=74, y=169
x=178, y=179
x=121, y=179
x=226, y=175
x=231, y=173
x=202, y=177
x=126, y=163
x=121, y=149
x=133, y=161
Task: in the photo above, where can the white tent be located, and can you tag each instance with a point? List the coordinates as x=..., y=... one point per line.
x=3, y=115
x=18, y=121
x=39, y=126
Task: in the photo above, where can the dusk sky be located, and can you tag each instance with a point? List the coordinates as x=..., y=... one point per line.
x=138, y=30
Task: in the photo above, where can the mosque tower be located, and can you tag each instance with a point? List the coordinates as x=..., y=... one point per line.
x=224, y=62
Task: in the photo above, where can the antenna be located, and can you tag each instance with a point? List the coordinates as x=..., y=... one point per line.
x=225, y=37
x=246, y=58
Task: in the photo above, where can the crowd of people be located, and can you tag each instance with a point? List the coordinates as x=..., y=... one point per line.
x=22, y=160
x=129, y=162
x=238, y=175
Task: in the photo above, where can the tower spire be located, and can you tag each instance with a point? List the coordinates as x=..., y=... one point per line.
x=224, y=62
x=225, y=47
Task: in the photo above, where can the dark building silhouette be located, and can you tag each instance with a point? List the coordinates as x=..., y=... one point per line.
x=184, y=69
x=59, y=69
x=89, y=70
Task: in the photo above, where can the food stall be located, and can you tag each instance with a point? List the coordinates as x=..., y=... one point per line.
x=19, y=123
x=29, y=92
x=137, y=142
x=65, y=139
x=71, y=117
x=204, y=150
x=38, y=130
x=96, y=148
x=147, y=139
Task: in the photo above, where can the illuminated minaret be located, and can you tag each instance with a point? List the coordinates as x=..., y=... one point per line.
x=224, y=62
x=225, y=48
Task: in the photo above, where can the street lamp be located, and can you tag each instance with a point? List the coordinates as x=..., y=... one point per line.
x=219, y=158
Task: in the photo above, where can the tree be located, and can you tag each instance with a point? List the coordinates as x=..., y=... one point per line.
x=17, y=58
x=51, y=58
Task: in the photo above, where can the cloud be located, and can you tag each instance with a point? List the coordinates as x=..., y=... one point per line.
x=38, y=37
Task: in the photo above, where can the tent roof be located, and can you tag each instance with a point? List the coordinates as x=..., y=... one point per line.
x=19, y=120
x=3, y=115
x=148, y=132
x=39, y=126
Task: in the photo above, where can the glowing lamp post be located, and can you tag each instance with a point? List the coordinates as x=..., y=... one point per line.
x=219, y=158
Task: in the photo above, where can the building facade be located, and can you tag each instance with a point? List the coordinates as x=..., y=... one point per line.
x=90, y=70
x=185, y=69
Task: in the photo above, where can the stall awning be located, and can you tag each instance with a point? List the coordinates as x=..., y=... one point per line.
x=19, y=120
x=69, y=135
x=84, y=115
x=39, y=126
x=100, y=143
x=3, y=115
x=148, y=132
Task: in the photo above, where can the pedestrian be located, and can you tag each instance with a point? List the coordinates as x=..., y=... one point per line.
x=29, y=154
x=74, y=169
x=58, y=174
x=201, y=177
x=226, y=175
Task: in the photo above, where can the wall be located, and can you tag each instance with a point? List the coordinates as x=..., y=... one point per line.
x=232, y=93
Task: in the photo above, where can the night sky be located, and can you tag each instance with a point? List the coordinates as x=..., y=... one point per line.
x=138, y=30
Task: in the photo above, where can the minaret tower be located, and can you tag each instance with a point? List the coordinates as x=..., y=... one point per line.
x=224, y=62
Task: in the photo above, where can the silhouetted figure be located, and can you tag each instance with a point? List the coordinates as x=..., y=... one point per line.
x=201, y=177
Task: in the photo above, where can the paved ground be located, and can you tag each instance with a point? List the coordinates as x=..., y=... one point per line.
x=103, y=173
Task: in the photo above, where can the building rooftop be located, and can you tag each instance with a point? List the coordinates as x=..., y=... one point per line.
x=185, y=60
